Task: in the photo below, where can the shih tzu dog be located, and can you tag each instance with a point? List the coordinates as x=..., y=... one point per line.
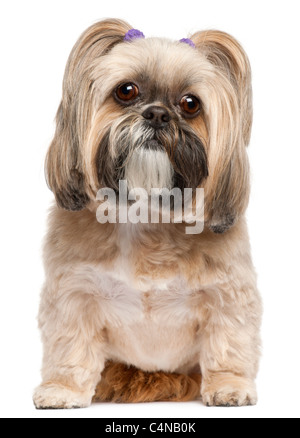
x=147, y=312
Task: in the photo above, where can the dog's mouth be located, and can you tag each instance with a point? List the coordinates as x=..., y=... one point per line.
x=165, y=158
x=153, y=145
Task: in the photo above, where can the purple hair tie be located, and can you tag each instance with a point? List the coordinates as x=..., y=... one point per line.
x=188, y=41
x=133, y=34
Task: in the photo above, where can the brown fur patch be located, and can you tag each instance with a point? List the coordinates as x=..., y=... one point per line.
x=123, y=384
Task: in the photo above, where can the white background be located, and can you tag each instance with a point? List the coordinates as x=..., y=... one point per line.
x=36, y=38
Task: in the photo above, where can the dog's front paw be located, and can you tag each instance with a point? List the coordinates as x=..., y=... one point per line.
x=55, y=396
x=228, y=390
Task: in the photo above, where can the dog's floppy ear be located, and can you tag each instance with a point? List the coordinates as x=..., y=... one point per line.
x=64, y=168
x=229, y=113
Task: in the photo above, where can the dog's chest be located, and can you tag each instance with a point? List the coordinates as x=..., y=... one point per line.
x=130, y=299
x=150, y=322
x=137, y=296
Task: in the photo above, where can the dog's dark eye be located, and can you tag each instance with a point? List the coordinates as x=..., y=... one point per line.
x=190, y=105
x=127, y=92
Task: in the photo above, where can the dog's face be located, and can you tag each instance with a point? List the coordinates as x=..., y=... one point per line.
x=157, y=113
x=149, y=92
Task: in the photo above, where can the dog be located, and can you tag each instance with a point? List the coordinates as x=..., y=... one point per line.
x=147, y=312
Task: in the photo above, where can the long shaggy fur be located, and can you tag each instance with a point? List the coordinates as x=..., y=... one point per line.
x=122, y=384
x=146, y=312
x=180, y=143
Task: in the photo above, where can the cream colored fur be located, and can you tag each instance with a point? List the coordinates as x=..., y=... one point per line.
x=93, y=310
x=149, y=295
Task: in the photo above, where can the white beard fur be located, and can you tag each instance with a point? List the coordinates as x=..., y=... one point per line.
x=149, y=169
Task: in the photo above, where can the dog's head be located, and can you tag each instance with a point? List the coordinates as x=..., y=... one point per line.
x=157, y=113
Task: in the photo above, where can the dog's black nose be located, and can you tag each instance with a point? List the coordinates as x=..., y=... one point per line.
x=157, y=116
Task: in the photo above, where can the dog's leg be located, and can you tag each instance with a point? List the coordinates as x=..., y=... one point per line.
x=73, y=351
x=230, y=349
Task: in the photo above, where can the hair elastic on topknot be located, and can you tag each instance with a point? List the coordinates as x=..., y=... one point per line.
x=188, y=41
x=133, y=34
